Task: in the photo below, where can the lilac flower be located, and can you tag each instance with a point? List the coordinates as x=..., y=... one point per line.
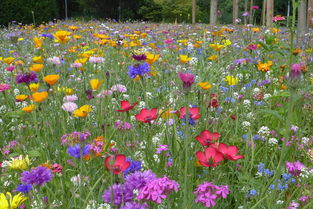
x=38, y=176
x=121, y=194
x=70, y=98
x=69, y=106
x=161, y=148
x=138, y=70
x=54, y=60
x=158, y=189
x=207, y=193
x=246, y=14
x=139, y=179
x=24, y=188
x=96, y=60
x=77, y=152
x=75, y=137
x=294, y=168
x=47, y=35
x=26, y=78
x=122, y=125
x=119, y=88
x=134, y=205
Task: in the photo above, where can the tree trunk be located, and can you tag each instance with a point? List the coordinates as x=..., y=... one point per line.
x=251, y=17
x=193, y=11
x=246, y=10
x=310, y=14
x=213, y=12
x=302, y=9
x=264, y=13
x=235, y=11
x=269, y=12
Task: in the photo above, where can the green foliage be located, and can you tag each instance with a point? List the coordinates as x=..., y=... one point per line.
x=21, y=11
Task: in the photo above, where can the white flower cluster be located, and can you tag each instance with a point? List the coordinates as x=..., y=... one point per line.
x=264, y=131
x=94, y=205
x=272, y=141
x=246, y=103
x=306, y=173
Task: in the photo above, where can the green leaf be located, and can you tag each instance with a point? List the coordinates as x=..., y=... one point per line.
x=34, y=153
x=272, y=113
x=15, y=114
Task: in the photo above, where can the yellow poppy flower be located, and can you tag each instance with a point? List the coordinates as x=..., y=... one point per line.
x=51, y=79
x=11, y=203
x=205, y=85
x=8, y=60
x=29, y=108
x=255, y=30
x=264, y=67
x=21, y=97
x=62, y=36
x=216, y=47
x=66, y=90
x=95, y=83
x=213, y=58
x=83, y=111
x=38, y=59
x=39, y=96
x=38, y=42
x=151, y=58
x=34, y=87
x=36, y=67
x=184, y=59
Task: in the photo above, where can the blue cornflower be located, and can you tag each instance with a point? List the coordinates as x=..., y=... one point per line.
x=258, y=103
x=286, y=176
x=261, y=167
x=245, y=136
x=24, y=188
x=77, y=152
x=224, y=89
x=230, y=99
x=257, y=137
x=138, y=69
x=134, y=166
x=272, y=186
x=268, y=172
x=253, y=192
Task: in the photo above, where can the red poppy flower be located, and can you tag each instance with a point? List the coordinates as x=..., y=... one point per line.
x=210, y=157
x=193, y=112
x=206, y=137
x=230, y=152
x=120, y=163
x=147, y=115
x=125, y=105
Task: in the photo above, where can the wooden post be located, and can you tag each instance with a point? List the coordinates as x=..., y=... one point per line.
x=264, y=13
x=269, y=12
x=251, y=18
x=310, y=14
x=235, y=11
x=213, y=12
x=193, y=11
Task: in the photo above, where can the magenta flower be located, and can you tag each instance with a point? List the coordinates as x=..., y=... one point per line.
x=294, y=168
x=10, y=68
x=161, y=148
x=4, y=87
x=255, y=7
x=187, y=78
x=295, y=71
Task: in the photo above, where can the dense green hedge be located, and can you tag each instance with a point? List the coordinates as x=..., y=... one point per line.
x=21, y=11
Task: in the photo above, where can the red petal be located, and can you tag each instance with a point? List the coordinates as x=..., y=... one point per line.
x=223, y=148
x=120, y=159
x=107, y=162
x=232, y=150
x=153, y=113
x=125, y=165
x=200, y=156
x=125, y=104
x=182, y=112
x=202, y=141
x=218, y=157
x=210, y=152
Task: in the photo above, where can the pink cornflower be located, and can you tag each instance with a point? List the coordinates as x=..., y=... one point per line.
x=70, y=98
x=76, y=65
x=161, y=148
x=69, y=106
x=119, y=88
x=4, y=87
x=294, y=168
x=295, y=71
x=278, y=18
x=54, y=60
x=10, y=68
x=96, y=60
x=104, y=93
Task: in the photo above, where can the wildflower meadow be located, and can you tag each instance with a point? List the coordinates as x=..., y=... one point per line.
x=108, y=115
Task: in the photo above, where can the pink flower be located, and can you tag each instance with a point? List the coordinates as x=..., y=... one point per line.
x=69, y=106
x=70, y=98
x=255, y=7
x=96, y=60
x=4, y=87
x=10, y=68
x=295, y=71
x=187, y=78
x=278, y=18
x=104, y=93
x=119, y=88
x=54, y=60
x=76, y=65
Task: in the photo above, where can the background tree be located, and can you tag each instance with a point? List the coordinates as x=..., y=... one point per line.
x=302, y=18
x=193, y=11
x=235, y=11
x=213, y=12
x=269, y=12
x=310, y=14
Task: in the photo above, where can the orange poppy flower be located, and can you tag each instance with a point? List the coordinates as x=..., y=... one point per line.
x=51, y=79
x=39, y=96
x=36, y=67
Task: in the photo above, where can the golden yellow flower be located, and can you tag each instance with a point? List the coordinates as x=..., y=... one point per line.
x=227, y=42
x=29, y=108
x=36, y=67
x=19, y=163
x=205, y=85
x=51, y=79
x=34, y=87
x=39, y=96
x=166, y=114
x=184, y=59
x=255, y=30
x=11, y=203
x=8, y=60
x=38, y=59
x=73, y=27
x=264, y=67
x=19, y=62
x=21, y=97
x=151, y=58
x=62, y=36
x=309, y=50
x=81, y=60
x=275, y=30
x=216, y=47
x=83, y=111
x=231, y=80
x=38, y=42
x=66, y=90
x=213, y=58
x=95, y=83
x=296, y=51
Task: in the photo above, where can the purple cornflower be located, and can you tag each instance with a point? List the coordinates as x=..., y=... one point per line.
x=134, y=166
x=123, y=125
x=138, y=70
x=294, y=168
x=139, y=179
x=24, y=188
x=38, y=176
x=134, y=205
x=78, y=152
x=158, y=189
x=121, y=194
x=161, y=148
x=207, y=193
x=246, y=14
x=26, y=77
x=139, y=57
x=47, y=35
